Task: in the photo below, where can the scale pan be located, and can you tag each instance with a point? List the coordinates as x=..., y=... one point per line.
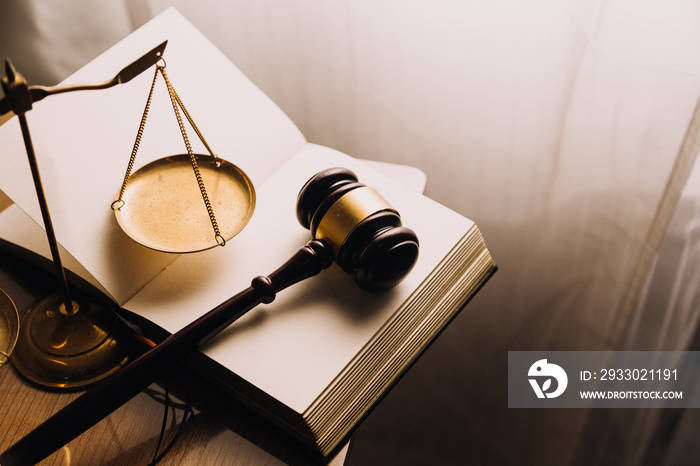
x=164, y=210
x=9, y=327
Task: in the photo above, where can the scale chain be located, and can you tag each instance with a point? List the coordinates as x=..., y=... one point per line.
x=120, y=202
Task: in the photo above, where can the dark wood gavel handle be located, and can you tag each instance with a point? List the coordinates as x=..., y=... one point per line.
x=115, y=390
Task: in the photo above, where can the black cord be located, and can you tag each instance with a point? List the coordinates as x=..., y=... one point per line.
x=166, y=408
x=137, y=334
x=188, y=413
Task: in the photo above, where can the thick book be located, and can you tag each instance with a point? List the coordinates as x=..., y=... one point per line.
x=319, y=357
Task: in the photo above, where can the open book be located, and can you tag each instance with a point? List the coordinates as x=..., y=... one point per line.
x=316, y=359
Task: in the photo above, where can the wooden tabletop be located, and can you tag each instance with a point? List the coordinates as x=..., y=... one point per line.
x=130, y=434
x=216, y=432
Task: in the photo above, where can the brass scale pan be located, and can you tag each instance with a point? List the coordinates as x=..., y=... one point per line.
x=163, y=207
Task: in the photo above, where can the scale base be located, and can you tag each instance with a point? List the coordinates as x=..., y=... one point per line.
x=68, y=349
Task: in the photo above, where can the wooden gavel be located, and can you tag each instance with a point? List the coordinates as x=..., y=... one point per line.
x=350, y=222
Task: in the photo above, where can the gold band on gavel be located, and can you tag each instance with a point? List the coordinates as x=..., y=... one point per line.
x=347, y=212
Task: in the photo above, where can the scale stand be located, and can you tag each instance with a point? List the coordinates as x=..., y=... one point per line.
x=66, y=340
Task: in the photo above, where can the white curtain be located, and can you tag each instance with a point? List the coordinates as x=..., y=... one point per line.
x=47, y=41
x=563, y=128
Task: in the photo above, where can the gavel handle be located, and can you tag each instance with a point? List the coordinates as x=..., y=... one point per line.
x=115, y=390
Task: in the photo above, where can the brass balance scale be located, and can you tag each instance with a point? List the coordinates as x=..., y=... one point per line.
x=68, y=339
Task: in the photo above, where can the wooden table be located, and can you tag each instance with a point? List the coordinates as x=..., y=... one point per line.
x=218, y=432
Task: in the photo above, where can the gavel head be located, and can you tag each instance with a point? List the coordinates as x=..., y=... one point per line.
x=364, y=231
